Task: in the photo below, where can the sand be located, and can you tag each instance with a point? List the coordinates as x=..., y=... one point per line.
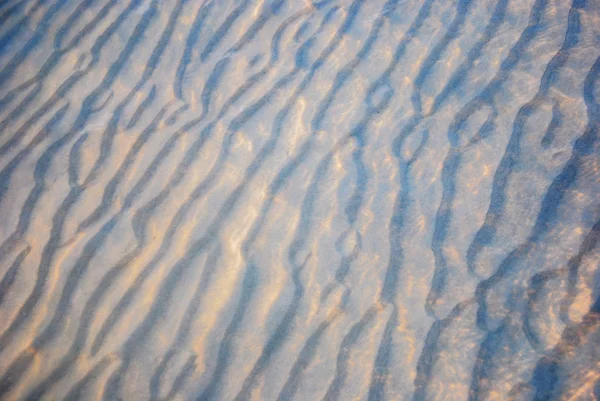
x=299, y=200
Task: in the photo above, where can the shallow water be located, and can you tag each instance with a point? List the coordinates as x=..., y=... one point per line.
x=307, y=200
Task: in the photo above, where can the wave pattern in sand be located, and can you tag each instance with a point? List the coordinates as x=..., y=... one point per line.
x=308, y=200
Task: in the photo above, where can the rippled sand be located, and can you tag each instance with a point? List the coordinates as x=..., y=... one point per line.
x=299, y=200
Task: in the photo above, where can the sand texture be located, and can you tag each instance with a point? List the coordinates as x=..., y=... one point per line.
x=299, y=200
